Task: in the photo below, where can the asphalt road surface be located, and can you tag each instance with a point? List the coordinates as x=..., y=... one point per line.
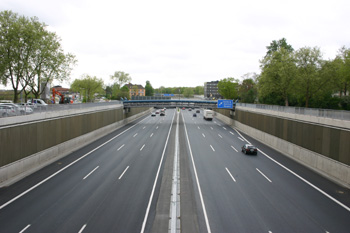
x=120, y=183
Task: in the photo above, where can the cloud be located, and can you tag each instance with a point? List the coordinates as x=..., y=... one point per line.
x=185, y=42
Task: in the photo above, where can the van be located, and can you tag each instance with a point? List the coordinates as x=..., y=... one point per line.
x=38, y=103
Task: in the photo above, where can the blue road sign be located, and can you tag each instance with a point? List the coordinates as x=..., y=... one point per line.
x=225, y=104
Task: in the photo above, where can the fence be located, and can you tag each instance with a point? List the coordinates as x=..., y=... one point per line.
x=334, y=114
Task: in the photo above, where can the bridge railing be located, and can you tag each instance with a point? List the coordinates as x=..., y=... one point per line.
x=56, y=107
x=327, y=113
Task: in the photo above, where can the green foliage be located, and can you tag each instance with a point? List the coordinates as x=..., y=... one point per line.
x=149, y=89
x=308, y=79
x=88, y=86
x=278, y=74
x=120, y=78
x=188, y=92
x=276, y=45
x=247, y=91
x=228, y=88
x=32, y=56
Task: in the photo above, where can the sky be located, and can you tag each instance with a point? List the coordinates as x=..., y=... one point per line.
x=185, y=42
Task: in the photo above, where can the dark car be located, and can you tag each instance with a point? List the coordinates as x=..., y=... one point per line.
x=162, y=113
x=197, y=111
x=153, y=114
x=194, y=115
x=249, y=149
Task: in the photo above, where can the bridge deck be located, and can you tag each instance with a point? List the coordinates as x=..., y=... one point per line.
x=171, y=103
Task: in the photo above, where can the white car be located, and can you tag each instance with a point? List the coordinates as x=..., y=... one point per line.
x=6, y=110
x=38, y=103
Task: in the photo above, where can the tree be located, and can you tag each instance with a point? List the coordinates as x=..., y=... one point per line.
x=120, y=79
x=276, y=45
x=88, y=86
x=228, y=88
x=30, y=55
x=343, y=61
x=247, y=91
x=149, y=89
x=199, y=90
x=278, y=74
x=188, y=92
x=308, y=79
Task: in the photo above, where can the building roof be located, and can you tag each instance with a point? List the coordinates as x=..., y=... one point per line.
x=130, y=86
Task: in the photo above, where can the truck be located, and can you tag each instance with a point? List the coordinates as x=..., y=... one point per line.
x=208, y=114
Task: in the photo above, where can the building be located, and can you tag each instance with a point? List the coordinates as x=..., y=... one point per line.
x=136, y=90
x=211, y=90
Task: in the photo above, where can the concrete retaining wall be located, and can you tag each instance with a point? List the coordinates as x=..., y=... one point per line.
x=30, y=147
x=324, y=149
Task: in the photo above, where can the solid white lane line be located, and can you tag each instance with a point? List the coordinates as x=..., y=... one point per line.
x=197, y=181
x=264, y=175
x=241, y=139
x=156, y=178
x=123, y=173
x=142, y=147
x=135, y=135
x=219, y=135
x=301, y=178
x=230, y=174
x=64, y=168
x=232, y=133
x=203, y=135
x=151, y=135
x=121, y=147
x=81, y=230
x=212, y=147
x=91, y=172
x=234, y=148
x=24, y=229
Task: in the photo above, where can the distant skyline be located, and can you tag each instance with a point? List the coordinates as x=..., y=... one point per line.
x=184, y=43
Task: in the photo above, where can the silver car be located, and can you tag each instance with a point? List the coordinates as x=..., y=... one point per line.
x=6, y=110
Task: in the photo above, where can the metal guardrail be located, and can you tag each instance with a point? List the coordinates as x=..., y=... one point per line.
x=326, y=113
x=60, y=107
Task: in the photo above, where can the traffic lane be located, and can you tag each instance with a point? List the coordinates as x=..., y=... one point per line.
x=224, y=211
x=65, y=183
x=303, y=226
x=272, y=157
x=338, y=220
x=61, y=185
x=310, y=200
x=9, y=192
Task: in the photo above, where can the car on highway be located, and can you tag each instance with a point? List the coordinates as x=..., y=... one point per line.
x=183, y=108
x=153, y=114
x=157, y=112
x=194, y=114
x=190, y=109
x=198, y=111
x=249, y=149
x=162, y=113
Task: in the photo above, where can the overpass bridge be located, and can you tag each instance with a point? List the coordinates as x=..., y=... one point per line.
x=171, y=103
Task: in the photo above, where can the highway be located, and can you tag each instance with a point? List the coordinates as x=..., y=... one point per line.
x=117, y=183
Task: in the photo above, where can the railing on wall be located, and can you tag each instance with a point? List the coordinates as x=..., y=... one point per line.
x=334, y=114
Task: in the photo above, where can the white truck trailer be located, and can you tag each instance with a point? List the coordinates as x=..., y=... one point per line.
x=208, y=114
